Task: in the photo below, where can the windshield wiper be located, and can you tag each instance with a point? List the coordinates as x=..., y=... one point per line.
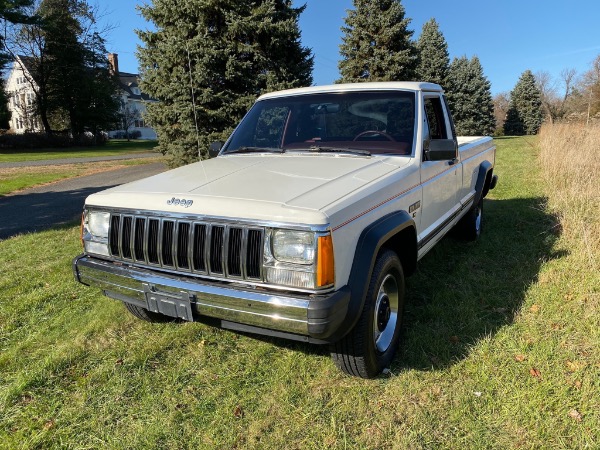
x=255, y=149
x=323, y=149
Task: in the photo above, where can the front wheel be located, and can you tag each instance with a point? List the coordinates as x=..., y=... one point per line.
x=371, y=345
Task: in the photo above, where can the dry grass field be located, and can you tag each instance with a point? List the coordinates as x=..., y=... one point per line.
x=570, y=161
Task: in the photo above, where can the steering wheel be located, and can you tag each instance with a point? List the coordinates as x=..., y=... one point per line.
x=381, y=133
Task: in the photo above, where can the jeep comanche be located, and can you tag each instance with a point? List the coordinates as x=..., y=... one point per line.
x=304, y=226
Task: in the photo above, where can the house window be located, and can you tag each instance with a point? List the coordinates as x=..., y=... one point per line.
x=140, y=123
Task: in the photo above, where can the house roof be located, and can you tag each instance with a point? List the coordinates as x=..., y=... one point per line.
x=128, y=81
x=27, y=62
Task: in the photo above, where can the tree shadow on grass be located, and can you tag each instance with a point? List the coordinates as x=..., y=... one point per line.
x=463, y=292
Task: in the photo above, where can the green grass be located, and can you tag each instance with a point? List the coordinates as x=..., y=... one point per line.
x=500, y=349
x=112, y=148
x=16, y=179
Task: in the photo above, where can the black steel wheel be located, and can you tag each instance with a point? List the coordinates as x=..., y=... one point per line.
x=469, y=227
x=371, y=345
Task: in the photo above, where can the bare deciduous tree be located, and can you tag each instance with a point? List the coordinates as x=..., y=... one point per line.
x=501, y=104
x=128, y=115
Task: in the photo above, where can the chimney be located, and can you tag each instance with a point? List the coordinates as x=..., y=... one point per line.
x=113, y=63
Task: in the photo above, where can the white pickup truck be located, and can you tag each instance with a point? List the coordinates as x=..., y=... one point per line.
x=318, y=205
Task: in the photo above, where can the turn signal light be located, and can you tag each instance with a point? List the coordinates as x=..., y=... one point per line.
x=325, y=266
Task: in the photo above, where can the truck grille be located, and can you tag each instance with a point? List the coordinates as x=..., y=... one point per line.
x=213, y=249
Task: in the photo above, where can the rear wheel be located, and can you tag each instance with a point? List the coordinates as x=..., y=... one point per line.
x=469, y=227
x=148, y=316
x=371, y=345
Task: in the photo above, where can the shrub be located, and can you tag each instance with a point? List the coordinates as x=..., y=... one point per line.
x=54, y=140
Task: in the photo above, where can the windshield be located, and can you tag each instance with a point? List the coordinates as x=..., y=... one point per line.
x=381, y=122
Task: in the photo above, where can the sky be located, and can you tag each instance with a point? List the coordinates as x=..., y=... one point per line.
x=508, y=36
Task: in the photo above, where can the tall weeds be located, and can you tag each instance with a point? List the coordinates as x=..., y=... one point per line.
x=570, y=160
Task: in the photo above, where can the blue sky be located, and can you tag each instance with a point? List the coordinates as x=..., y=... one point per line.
x=508, y=36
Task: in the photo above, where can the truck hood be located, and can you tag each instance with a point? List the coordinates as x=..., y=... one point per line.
x=294, y=188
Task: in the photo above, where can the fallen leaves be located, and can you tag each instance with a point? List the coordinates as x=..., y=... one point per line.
x=238, y=412
x=534, y=308
x=535, y=373
x=574, y=414
x=575, y=366
x=520, y=358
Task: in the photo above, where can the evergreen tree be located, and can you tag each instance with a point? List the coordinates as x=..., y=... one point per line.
x=434, y=61
x=12, y=12
x=524, y=115
x=376, y=43
x=208, y=61
x=470, y=98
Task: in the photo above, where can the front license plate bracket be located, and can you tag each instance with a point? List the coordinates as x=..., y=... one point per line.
x=172, y=304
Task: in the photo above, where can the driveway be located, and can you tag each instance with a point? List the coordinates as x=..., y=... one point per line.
x=44, y=207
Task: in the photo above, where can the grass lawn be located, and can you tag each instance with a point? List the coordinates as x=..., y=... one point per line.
x=112, y=148
x=16, y=179
x=500, y=350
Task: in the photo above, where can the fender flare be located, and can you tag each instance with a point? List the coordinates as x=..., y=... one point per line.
x=372, y=238
x=484, y=177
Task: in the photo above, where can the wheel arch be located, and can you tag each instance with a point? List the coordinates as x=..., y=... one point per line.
x=484, y=180
x=395, y=231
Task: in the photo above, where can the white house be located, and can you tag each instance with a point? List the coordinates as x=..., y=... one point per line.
x=133, y=101
x=21, y=100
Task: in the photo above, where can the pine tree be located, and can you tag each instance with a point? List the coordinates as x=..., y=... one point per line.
x=470, y=98
x=434, y=61
x=377, y=43
x=524, y=115
x=208, y=61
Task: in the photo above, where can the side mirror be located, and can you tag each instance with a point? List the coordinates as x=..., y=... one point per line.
x=214, y=149
x=441, y=150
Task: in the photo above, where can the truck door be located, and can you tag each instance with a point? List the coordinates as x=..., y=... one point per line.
x=440, y=180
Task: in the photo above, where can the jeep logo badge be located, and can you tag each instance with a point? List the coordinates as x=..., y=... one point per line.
x=180, y=202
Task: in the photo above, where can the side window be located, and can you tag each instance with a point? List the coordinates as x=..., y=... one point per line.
x=435, y=118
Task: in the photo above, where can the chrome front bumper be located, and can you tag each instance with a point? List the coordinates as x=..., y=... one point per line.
x=306, y=317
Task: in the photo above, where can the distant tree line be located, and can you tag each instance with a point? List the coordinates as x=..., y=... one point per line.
x=63, y=54
x=539, y=98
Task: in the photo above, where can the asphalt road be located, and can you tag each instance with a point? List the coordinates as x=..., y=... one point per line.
x=61, y=203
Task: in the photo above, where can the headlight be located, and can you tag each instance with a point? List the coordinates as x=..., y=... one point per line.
x=296, y=247
x=95, y=232
x=301, y=259
x=98, y=224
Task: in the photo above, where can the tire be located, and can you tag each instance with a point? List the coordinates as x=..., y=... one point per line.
x=148, y=316
x=470, y=226
x=371, y=345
